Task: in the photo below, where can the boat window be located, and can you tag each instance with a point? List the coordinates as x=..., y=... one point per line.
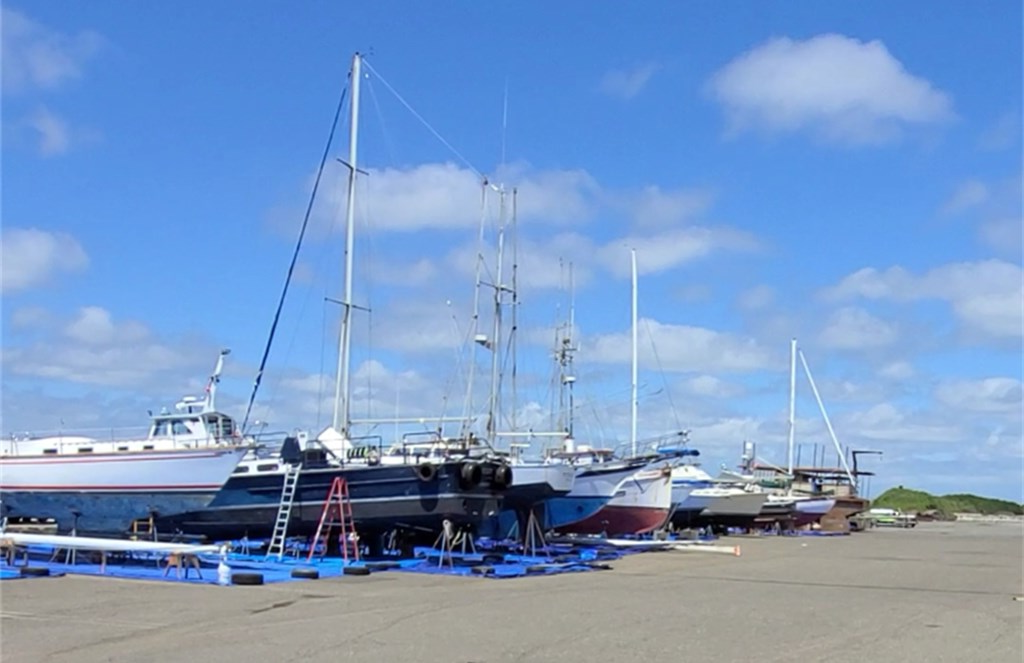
x=161, y=428
x=179, y=428
x=266, y=467
x=147, y=447
x=49, y=451
x=85, y=450
x=221, y=426
x=122, y=448
x=241, y=469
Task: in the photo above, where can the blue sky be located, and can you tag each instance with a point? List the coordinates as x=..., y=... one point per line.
x=848, y=174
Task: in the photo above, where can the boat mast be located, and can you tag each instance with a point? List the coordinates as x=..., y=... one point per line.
x=468, y=409
x=568, y=374
x=634, y=398
x=492, y=414
x=211, y=386
x=515, y=306
x=792, y=404
x=342, y=406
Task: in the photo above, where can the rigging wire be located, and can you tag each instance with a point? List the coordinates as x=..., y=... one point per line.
x=668, y=392
x=295, y=257
x=419, y=117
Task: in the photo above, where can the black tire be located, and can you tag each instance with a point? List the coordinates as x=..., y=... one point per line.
x=305, y=572
x=470, y=475
x=426, y=471
x=34, y=571
x=483, y=570
x=382, y=566
x=503, y=476
x=246, y=578
x=356, y=571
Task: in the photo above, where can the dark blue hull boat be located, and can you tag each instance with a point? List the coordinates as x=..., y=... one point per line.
x=384, y=498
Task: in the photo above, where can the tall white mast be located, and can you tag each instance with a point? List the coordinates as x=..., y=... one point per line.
x=341, y=389
x=634, y=398
x=792, y=405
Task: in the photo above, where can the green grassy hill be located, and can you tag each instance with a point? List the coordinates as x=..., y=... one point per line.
x=908, y=500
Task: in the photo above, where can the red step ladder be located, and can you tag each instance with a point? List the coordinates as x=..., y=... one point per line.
x=337, y=511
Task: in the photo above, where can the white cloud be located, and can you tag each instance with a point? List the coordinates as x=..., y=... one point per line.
x=852, y=328
x=541, y=263
x=987, y=296
x=93, y=349
x=37, y=57
x=446, y=196
x=627, y=83
x=839, y=88
x=54, y=134
x=32, y=257
x=711, y=386
x=94, y=326
x=669, y=249
x=968, y=195
x=897, y=370
x=990, y=395
x=1003, y=134
x=885, y=422
x=653, y=207
x=680, y=348
x=30, y=317
x=757, y=298
x=1004, y=234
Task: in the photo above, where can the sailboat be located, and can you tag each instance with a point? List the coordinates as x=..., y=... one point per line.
x=390, y=489
x=100, y=486
x=642, y=497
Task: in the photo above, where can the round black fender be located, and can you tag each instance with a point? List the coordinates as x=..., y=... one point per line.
x=305, y=572
x=470, y=475
x=246, y=578
x=34, y=571
x=356, y=571
x=503, y=476
x=426, y=471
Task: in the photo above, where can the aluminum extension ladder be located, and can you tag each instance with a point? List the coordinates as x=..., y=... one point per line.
x=284, y=511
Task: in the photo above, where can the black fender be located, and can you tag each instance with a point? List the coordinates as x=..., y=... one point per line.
x=470, y=475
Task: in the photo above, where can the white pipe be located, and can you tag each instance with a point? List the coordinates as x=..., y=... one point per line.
x=98, y=543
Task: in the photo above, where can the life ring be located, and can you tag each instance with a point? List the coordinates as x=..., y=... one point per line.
x=426, y=471
x=470, y=475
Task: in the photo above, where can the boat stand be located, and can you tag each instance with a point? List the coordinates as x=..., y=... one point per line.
x=533, y=537
x=447, y=541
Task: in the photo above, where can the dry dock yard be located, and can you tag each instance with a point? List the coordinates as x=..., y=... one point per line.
x=938, y=592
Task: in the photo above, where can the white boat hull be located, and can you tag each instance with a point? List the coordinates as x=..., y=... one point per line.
x=106, y=492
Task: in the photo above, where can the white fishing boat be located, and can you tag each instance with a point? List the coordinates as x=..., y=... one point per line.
x=101, y=485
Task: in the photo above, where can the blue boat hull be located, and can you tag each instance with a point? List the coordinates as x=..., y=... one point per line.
x=99, y=512
x=383, y=498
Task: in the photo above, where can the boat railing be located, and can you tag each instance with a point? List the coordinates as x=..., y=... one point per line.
x=99, y=434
